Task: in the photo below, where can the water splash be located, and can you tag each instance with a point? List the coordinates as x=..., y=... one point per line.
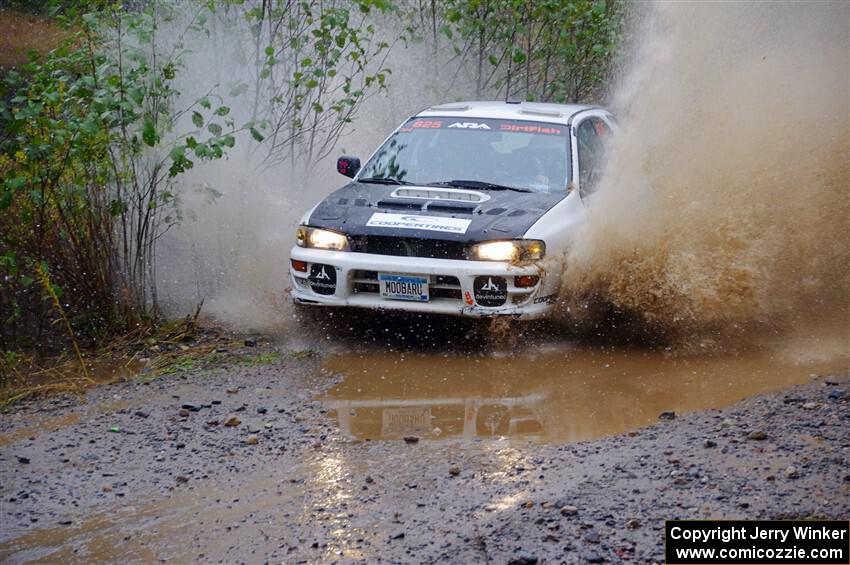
x=233, y=252
x=726, y=202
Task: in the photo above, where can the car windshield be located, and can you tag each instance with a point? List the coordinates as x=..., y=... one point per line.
x=476, y=153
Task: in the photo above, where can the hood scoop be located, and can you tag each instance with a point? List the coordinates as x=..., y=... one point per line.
x=400, y=204
x=433, y=193
x=450, y=207
x=431, y=205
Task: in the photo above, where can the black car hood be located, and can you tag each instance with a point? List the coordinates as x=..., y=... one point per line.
x=506, y=214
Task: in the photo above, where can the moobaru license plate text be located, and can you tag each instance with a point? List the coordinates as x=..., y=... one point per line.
x=403, y=287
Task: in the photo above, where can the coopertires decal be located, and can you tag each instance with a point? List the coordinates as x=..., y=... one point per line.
x=414, y=222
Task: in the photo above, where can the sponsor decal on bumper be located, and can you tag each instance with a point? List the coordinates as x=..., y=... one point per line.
x=490, y=291
x=322, y=279
x=451, y=284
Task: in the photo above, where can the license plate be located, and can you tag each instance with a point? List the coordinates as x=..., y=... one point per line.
x=403, y=287
x=403, y=421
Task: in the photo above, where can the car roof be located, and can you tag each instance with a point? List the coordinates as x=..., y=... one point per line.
x=535, y=111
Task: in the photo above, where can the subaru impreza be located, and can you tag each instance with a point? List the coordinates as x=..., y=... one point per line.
x=466, y=209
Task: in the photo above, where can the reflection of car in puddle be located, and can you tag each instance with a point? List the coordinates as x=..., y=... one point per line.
x=560, y=396
x=467, y=417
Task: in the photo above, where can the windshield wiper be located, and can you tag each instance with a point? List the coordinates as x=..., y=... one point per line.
x=479, y=185
x=383, y=180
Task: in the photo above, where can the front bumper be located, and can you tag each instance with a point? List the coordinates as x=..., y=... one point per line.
x=451, y=288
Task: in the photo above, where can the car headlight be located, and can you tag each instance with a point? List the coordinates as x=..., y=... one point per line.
x=318, y=238
x=514, y=251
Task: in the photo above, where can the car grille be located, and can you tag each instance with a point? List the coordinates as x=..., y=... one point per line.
x=408, y=247
x=442, y=286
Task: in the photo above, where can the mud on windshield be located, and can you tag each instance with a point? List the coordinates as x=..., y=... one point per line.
x=514, y=153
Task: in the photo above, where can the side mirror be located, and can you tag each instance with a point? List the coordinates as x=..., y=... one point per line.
x=348, y=166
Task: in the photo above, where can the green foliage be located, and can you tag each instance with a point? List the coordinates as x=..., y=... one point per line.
x=92, y=140
x=261, y=359
x=319, y=60
x=178, y=365
x=89, y=149
x=543, y=50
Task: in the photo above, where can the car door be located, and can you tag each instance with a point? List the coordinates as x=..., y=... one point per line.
x=592, y=133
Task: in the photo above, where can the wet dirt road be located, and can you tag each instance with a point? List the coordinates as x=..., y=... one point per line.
x=554, y=453
x=554, y=396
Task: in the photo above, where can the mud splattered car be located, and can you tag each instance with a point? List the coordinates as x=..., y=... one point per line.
x=466, y=209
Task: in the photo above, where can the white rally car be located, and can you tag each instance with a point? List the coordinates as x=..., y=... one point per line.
x=466, y=209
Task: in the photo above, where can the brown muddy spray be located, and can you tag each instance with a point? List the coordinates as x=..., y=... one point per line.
x=726, y=205
x=726, y=201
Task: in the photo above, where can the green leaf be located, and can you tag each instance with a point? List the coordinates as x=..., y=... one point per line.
x=214, y=128
x=205, y=103
x=15, y=183
x=178, y=166
x=222, y=111
x=201, y=150
x=177, y=152
x=89, y=126
x=256, y=134
x=117, y=207
x=136, y=95
x=10, y=262
x=197, y=119
x=149, y=135
x=5, y=199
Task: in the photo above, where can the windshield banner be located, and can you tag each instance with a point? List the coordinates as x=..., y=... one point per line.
x=480, y=124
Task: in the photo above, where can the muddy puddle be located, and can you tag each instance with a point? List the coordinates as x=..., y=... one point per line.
x=552, y=396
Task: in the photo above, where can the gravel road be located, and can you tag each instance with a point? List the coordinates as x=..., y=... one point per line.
x=241, y=463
